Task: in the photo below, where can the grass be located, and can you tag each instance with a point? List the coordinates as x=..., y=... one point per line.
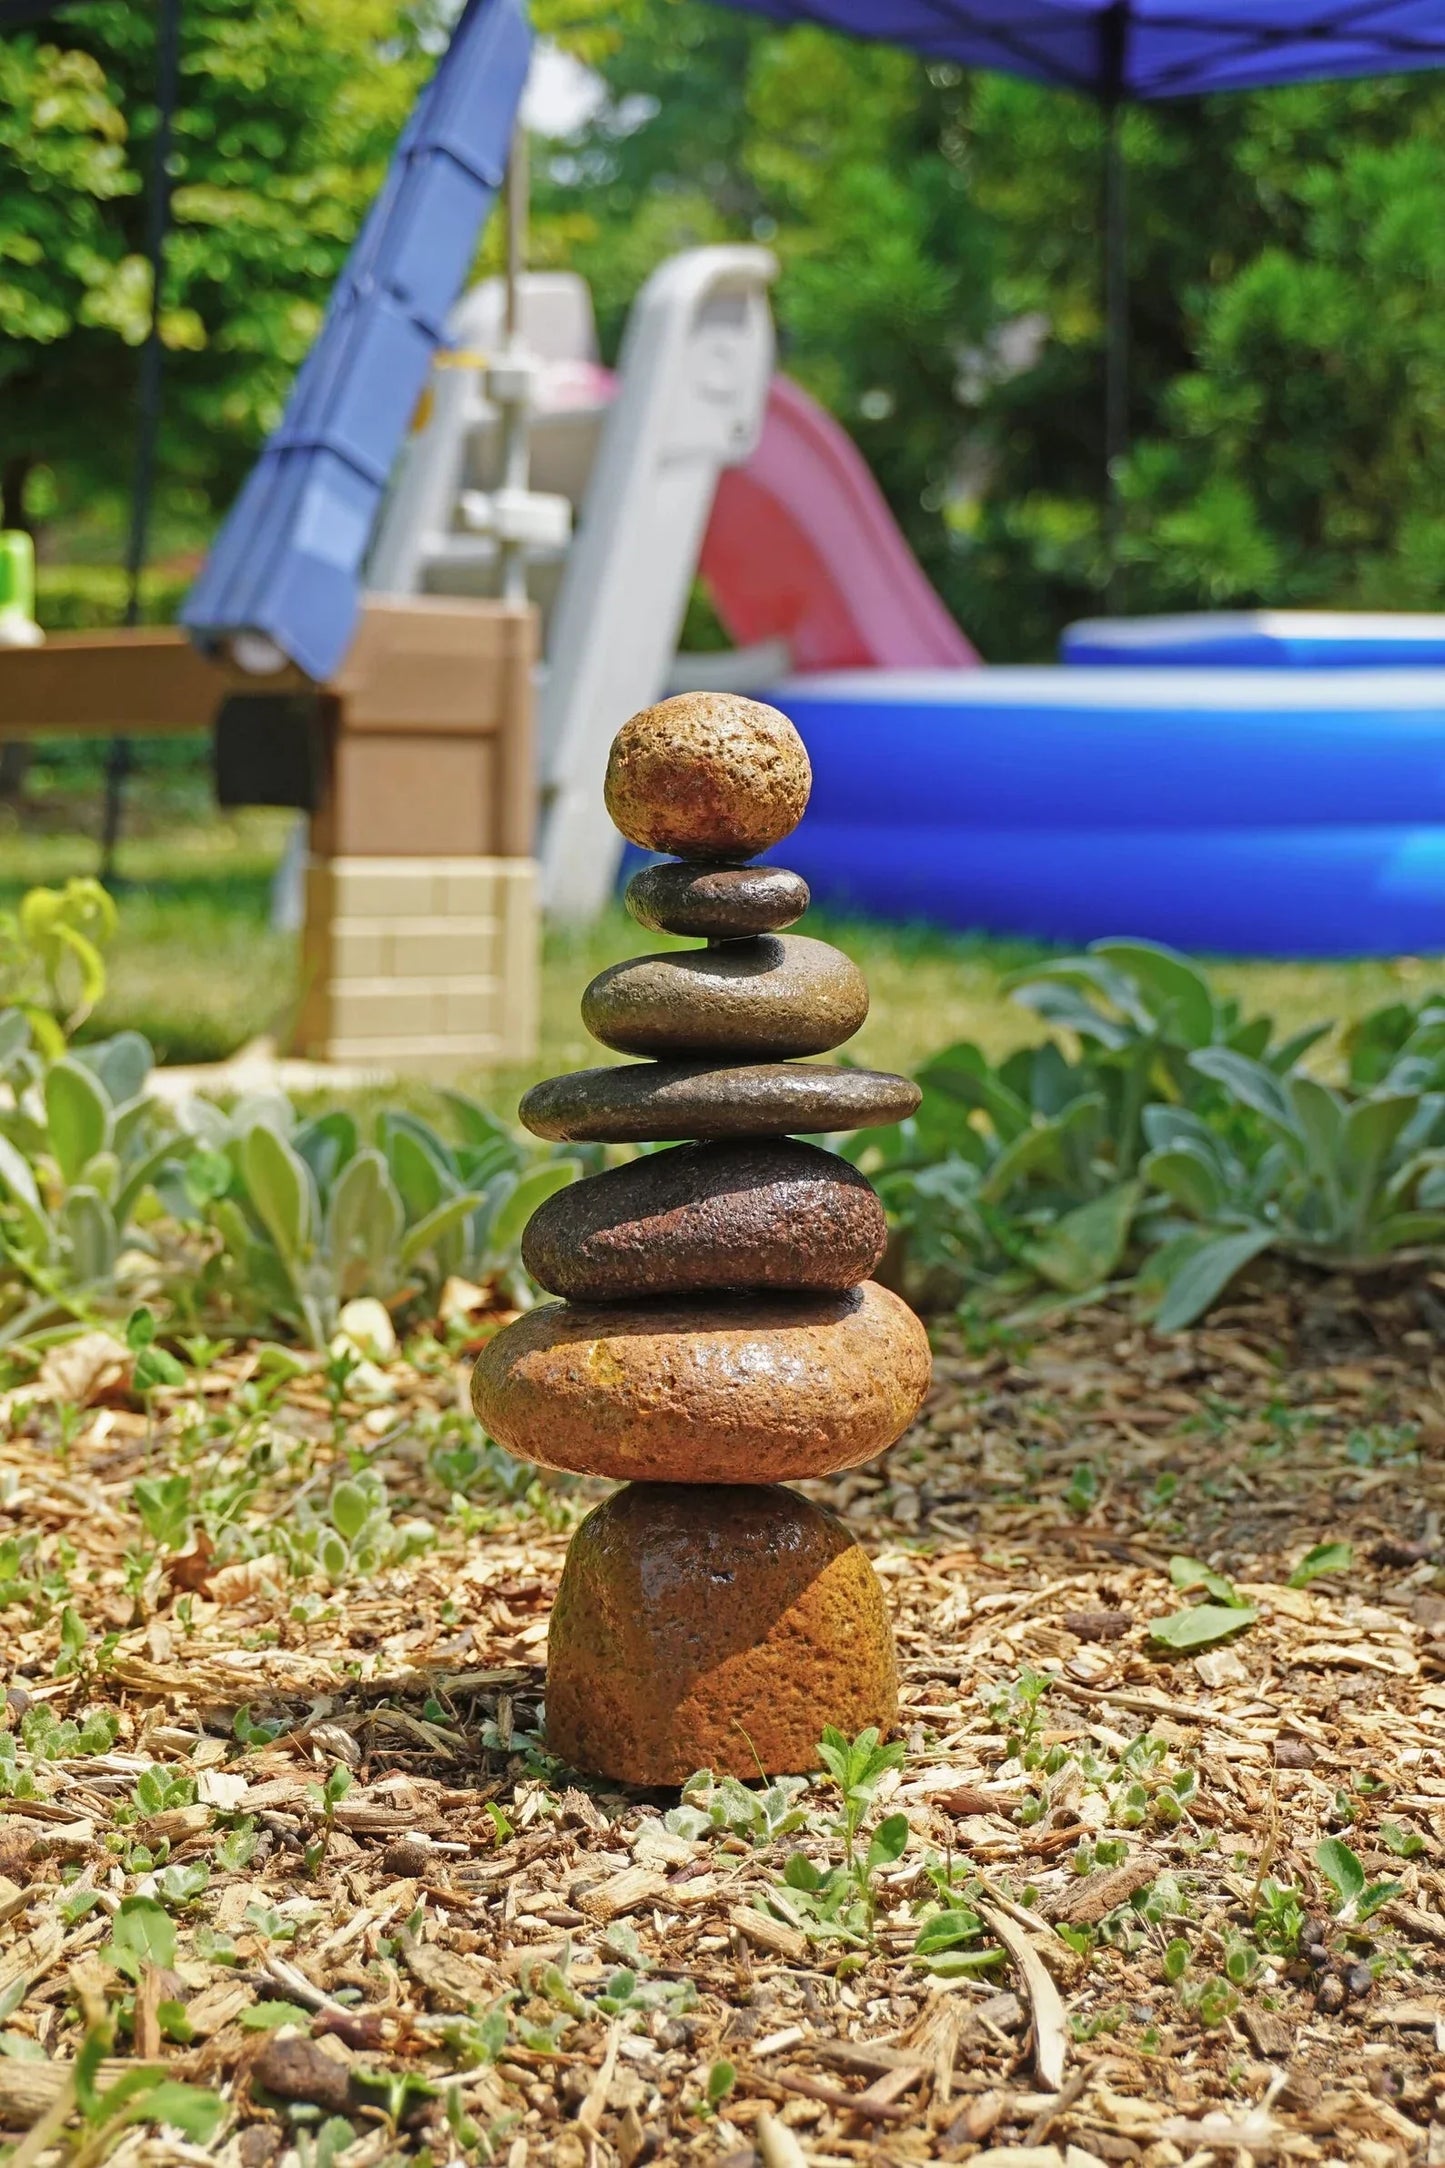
x=198, y=969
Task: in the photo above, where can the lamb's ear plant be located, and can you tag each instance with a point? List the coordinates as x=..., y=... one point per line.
x=89, y=1163
x=1345, y=1185
x=1161, y=1144
x=311, y=1216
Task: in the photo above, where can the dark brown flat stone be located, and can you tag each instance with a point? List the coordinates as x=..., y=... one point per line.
x=713, y=1629
x=707, y=775
x=716, y=1389
x=716, y=903
x=769, y=999
x=709, y=1217
x=666, y=1101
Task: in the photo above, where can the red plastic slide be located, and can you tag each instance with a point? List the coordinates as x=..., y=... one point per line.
x=801, y=547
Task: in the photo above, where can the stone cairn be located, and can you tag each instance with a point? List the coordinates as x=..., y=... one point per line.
x=718, y=1334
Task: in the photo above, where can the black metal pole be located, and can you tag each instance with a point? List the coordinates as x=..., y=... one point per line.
x=1113, y=86
x=1116, y=349
x=149, y=399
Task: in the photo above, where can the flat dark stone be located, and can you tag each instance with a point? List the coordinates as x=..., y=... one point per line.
x=661, y=1102
x=716, y=1218
x=716, y=903
x=768, y=999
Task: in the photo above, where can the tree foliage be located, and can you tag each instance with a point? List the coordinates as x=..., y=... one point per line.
x=289, y=111
x=939, y=233
x=939, y=237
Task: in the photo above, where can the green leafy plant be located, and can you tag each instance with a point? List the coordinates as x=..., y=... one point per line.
x=353, y=1533
x=1201, y=1626
x=1324, y=1558
x=311, y=1216
x=1404, y=1843
x=1356, y=1897
x=710, y=1803
x=144, y=2096
x=841, y=1901
x=1018, y=1712
x=52, y=964
x=1280, y=1918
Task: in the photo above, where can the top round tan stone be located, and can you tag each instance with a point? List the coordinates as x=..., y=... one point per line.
x=707, y=775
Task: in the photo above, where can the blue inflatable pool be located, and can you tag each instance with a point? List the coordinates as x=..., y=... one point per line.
x=1263, y=639
x=1239, y=812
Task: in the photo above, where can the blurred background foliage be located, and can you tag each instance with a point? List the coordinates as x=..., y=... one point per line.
x=940, y=291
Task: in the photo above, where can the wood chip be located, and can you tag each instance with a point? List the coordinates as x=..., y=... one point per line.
x=622, y=1893
x=777, y=2145
x=770, y=1935
x=1085, y=1902
x=1051, y=2033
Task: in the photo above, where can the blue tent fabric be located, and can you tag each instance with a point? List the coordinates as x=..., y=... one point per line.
x=287, y=562
x=1147, y=48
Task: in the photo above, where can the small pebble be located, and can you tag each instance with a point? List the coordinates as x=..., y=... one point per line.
x=716, y=903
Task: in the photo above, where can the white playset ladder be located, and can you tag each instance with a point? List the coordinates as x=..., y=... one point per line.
x=693, y=382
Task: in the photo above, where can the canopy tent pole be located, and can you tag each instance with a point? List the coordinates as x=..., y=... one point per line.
x=1113, y=33
x=149, y=399
x=1116, y=348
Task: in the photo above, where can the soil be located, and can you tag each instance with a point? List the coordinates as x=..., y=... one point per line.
x=1023, y=1530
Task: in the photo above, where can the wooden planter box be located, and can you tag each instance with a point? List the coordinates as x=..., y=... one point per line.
x=420, y=949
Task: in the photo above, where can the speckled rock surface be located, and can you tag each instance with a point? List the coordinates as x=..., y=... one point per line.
x=770, y=998
x=719, y=1629
x=659, y=1102
x=709, y=1217
x=756, y=1389
x=716, y=903
x=707, y=775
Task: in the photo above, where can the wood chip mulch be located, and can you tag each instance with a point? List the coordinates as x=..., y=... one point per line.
x=466, y=1951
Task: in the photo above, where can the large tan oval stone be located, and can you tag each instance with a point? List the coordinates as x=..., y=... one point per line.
x=752, y=1390
x=770, y=1213
x=774, y=998
x=707, y=775
x=701, y=1628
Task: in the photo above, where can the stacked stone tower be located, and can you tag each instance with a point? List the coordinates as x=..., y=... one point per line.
x=718, y=1334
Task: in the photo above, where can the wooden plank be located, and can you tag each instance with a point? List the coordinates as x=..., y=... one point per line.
x=140, y=682
x=427, y=663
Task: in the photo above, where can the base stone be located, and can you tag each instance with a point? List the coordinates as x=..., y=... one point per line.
x=714, y=1626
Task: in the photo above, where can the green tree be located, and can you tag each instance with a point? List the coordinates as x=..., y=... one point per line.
x=289, y=112
x=939, y=232
x=62, y=164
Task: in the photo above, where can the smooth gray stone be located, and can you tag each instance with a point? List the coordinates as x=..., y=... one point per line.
x=770, y=999
x=716, y=903
x=716, y=1218
x=659, y=1102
